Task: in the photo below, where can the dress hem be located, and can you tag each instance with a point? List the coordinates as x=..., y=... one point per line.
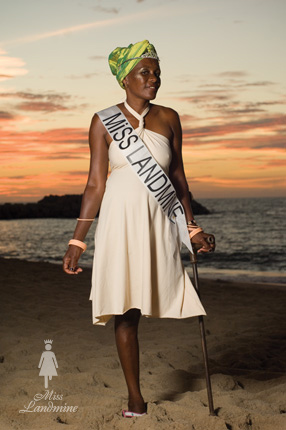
x=105, y=318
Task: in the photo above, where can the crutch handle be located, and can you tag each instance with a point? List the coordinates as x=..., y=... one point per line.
x=197, y=246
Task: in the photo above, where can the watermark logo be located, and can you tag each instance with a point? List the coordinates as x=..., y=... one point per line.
x=50, y=406
x=48, y=363
x=45, y=402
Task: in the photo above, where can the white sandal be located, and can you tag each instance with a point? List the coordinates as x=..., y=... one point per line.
x=129, y=414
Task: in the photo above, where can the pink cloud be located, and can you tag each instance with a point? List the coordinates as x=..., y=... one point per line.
x=28, y=95
x=272, y=125
x=6, y=116
x=11, y=66
x=41, y=107
x=46, y=102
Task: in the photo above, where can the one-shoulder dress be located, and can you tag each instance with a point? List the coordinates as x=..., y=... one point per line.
x=137, y=261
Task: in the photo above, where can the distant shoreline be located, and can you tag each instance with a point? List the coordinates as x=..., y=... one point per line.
x=201, y=198
x=67, y=206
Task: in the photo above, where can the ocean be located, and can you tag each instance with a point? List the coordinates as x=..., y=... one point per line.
x=250, y=237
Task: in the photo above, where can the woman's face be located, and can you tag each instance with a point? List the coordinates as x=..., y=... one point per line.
x=144, y=80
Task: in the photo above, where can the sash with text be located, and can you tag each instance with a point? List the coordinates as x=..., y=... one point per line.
x=146, y=167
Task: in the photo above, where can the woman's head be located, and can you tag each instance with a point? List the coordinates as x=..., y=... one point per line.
x=144, y=79
x=123, y=60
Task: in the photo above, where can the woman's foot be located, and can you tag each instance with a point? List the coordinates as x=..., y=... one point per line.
x=135, y=409
x=138, y=406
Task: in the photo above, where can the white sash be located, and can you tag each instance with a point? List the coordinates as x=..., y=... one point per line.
x=146, y=168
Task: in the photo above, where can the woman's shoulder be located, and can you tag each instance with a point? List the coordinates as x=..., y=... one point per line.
x=165, y=110
x=96, y=114
x=166, y=113
x=96, y=126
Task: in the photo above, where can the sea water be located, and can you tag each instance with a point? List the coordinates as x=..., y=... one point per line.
x=250, y=237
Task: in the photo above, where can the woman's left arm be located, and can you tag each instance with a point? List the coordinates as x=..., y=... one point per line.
x=178, y=178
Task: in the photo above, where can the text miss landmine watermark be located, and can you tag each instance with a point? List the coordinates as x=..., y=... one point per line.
x=51, y=396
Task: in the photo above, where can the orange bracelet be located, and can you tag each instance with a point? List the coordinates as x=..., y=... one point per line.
x=196, y=231
x=78, y=243
x=85, y=219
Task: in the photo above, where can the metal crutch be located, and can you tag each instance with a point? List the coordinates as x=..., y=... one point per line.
x=193, y=258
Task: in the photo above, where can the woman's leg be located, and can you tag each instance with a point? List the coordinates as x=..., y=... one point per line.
x=126, y=329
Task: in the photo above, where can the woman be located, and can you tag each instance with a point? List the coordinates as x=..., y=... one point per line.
x=137, y=267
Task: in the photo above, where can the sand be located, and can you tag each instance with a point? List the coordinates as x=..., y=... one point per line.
x=246, y=345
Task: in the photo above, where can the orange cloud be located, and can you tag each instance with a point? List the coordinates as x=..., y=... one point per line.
x=265, y=182
x=34, y=187
x=54, y=136
x=211, y=186
x=66, y=143
x=271, y=142
x=275, y=163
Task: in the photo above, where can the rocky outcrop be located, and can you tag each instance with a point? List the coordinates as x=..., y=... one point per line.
x=67, y=206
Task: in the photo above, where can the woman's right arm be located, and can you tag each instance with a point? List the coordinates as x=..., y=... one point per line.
x=93, y=192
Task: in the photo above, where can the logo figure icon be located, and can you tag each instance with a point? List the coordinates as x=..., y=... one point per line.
x=48, y=363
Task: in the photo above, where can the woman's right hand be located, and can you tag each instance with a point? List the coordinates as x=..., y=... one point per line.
x=70, y=260
x=203, y=242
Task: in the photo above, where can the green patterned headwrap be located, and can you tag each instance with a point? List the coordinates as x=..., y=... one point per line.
x=123, y=60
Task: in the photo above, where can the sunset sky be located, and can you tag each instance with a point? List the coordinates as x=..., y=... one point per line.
x=223, y=69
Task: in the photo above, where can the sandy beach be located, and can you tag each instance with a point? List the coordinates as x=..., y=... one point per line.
x=246, y=343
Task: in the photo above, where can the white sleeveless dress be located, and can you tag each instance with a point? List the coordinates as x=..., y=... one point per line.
x=137, y=261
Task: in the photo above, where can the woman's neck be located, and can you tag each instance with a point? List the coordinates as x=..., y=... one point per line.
x=139, y=105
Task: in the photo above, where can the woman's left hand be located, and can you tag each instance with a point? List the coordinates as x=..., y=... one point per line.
x=200, y=240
